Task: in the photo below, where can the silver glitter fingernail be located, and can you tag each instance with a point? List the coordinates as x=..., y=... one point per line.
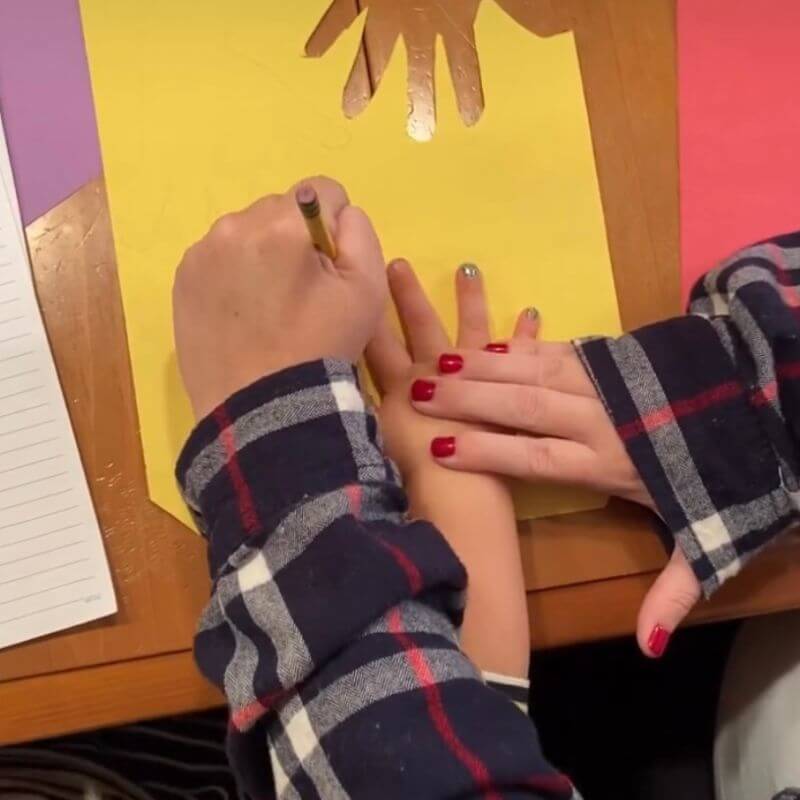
x=470, y=271
x=532, y=313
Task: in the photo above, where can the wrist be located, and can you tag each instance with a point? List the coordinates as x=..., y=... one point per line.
x=436, y=493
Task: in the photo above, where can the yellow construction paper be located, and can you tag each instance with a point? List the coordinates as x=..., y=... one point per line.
x=205, y=106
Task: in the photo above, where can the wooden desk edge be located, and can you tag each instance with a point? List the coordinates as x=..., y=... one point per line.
x=95, y=697
x=606, y=609
x=157, y=686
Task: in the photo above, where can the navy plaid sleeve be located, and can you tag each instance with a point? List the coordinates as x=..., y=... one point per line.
x=708, y=406
x=332, y=622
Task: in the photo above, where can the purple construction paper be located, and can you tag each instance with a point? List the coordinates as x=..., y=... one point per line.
x=46, y=102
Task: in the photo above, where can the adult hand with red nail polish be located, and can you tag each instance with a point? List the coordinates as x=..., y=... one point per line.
x=546, y=423
x=556, y=428
x=474, y=512
x=253, y=296
x=397, y=366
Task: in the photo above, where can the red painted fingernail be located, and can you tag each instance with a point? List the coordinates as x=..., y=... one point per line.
x=422, y=391
x=443, y=446
x=658, y=641
x=450, y=363
x=496, y=347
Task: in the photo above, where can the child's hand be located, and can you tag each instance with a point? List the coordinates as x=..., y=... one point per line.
x=474, y=512
x=396, y=366
x=254, y=296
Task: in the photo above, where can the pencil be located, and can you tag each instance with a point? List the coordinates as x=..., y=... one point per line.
x=308, y=203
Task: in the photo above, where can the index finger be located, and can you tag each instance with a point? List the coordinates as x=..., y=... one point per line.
x=424, y=332
x=387, y=358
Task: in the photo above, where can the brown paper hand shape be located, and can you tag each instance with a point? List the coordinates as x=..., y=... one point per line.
x=419, y=22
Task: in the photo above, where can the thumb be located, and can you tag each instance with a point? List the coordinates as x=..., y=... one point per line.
x=672, y=596
x=359, y=249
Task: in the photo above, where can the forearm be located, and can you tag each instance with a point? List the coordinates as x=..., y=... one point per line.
x=332, y=623
x=476, y=516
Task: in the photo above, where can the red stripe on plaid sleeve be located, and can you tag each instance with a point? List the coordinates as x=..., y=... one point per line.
x=436, y=710
x=680, y=408
x=768, y=393
x=411, y=570
x=247, y=510
x=551, y=783
x=765, y=394
x=354, y=494
x=244, y=718
x=789, y=371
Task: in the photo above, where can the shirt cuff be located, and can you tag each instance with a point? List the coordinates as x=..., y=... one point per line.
x=296, y=434
x=690, y=426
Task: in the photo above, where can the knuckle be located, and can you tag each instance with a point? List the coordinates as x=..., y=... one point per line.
x=524, y=346
x=526, y=405
x=549, y=370
x=284, y=228
x=225, y=229
x=533, y=347
x=265, y=206
x=682, y=600
x=538, y=458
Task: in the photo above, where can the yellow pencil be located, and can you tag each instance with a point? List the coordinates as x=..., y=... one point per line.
x=308, y=203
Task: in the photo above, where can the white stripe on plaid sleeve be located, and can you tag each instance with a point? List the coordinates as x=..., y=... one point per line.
x=302, y=406
x=715, y=530
x=295, y=532
x=352, y=693
x=709, y=530
x=253, y=574
x=265, y=604
x=253, y=580
x=353, y=416
x=674, y=454
x=515, y=689
x=283, y=788
x=301, y=734
x=297, y=748
x=348, y=398
x=417, y=618
x=339, y=396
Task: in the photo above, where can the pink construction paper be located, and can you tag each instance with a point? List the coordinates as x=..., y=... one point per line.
x=46, y=102
x=739, y=69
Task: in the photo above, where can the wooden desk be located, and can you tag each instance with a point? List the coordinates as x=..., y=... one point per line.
x=138, y=663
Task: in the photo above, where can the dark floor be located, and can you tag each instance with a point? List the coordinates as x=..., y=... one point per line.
x=627, y=728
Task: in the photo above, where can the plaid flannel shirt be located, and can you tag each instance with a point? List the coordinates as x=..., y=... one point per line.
x=708, y=406
x=332, y=622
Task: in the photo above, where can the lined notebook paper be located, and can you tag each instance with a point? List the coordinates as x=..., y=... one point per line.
x=53, y=569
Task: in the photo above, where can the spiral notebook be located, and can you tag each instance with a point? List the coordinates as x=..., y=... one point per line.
x=53, y=568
